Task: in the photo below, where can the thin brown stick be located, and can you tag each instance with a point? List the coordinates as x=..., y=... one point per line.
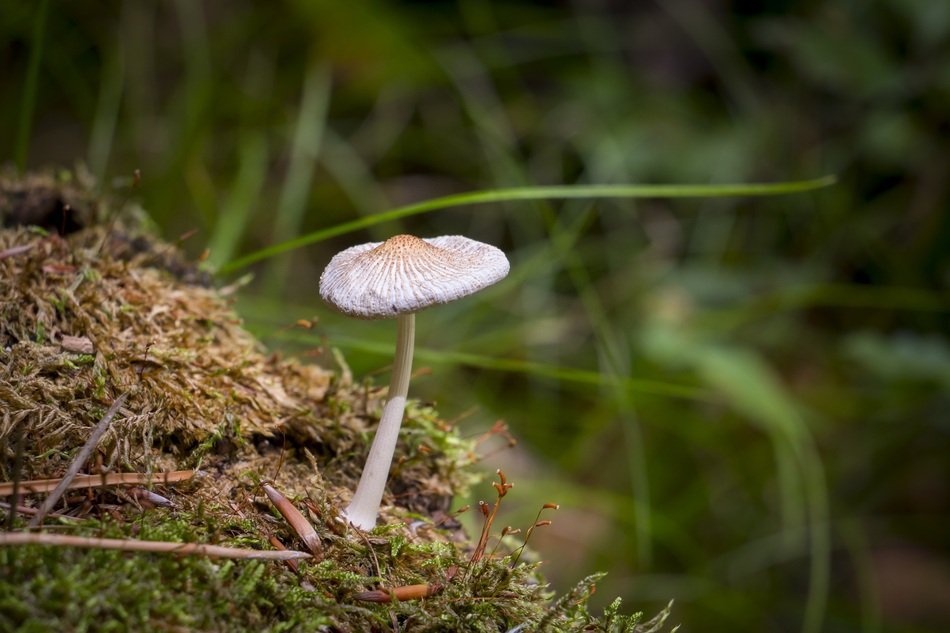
x=16, y=250
x=399, y=594
x=132, y=545
x=407, y=592
x=372, y=552
x=31, y=511
x=296, y=520
x=77, y=463
x=95, y=481
x=18, y=434
x=292, y=564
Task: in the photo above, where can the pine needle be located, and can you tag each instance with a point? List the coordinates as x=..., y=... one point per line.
x=131, y=545
x=96, y=481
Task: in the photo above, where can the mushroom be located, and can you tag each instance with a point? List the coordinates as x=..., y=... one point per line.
x=398, y=278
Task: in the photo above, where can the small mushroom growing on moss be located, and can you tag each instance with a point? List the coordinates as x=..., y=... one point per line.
x=397, y=278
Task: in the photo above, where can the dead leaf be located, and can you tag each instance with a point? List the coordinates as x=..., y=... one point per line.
x=77, y=345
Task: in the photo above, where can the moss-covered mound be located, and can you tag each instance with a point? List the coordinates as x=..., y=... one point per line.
x=92, y=307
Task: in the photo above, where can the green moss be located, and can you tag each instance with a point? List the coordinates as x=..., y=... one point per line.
x=44, y=588
x=203, y=393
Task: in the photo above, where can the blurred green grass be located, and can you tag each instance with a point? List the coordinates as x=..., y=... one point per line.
x=740, y=403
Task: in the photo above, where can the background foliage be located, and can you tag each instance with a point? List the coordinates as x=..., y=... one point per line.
x=739, y=403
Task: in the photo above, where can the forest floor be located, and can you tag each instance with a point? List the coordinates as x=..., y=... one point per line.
x=94, y=308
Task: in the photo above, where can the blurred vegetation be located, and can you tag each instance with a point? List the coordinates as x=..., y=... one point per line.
x=740, y=403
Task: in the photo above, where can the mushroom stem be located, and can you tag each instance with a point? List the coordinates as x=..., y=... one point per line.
x=364, y=507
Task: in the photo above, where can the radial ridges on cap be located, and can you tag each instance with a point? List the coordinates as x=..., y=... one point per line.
x=407, y=274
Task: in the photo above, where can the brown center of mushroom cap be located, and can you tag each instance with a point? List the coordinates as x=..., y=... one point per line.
x=402, y=245
x=406, y=274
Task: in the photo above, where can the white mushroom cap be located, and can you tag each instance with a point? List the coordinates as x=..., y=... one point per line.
x=382, y=280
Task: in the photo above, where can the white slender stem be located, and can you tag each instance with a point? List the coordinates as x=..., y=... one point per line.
x=364, y=507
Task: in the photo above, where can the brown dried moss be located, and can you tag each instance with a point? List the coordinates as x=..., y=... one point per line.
x=106, y=309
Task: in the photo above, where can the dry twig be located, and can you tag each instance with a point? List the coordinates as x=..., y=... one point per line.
x=131, y=545
x=14, y=493
x=77, y=463
x=96, y=481
x=31, y=511
x=16, y=250
x=292, y=564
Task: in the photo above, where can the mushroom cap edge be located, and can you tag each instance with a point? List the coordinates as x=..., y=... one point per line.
x=380, y=280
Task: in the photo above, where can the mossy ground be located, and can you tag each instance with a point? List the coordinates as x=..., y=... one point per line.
x=204, y=395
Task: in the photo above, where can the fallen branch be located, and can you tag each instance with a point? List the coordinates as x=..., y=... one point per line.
x=96, y=481
x=77, y=463
x=131, y=545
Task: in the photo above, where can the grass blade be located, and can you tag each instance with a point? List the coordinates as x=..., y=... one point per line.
x=28, y=105
x=235, y=215
x=563, y=192
x=513, y=365
x=102, y=137
x=304, y=151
